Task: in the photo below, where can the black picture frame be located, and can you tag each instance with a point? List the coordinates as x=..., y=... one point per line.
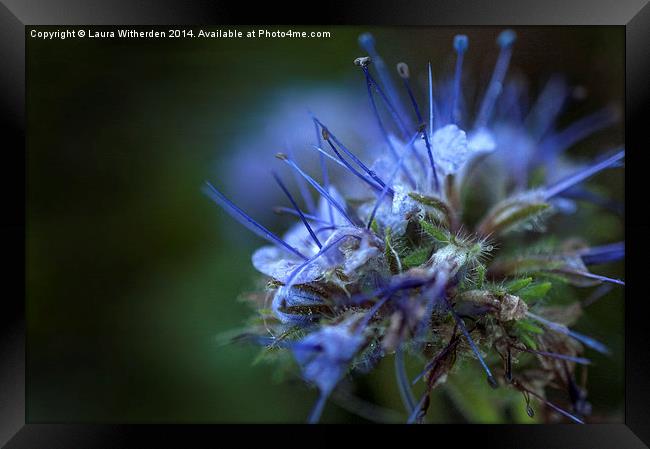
x=634, y=15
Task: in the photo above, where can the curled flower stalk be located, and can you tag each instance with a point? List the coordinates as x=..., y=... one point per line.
x=406, y=265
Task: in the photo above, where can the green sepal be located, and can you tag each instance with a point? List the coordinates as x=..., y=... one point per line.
x=437, y=233
x=513, y=212
x=529, y=326
x=528, y=341
x=535, y=291
x=517, y=284
x=374, y=226
x=433, y=202
x=417, y=257
x=481, y=270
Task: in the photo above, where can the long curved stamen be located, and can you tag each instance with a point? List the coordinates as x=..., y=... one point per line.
x=380, y=123
x=383, y=128
x=505, y=40
x=326, y=155
x=353, y=170
x=330, y=136
x=367, y=42
x=559, y=409
x=243, y=218
x=295, y=206
x=363, y=63
x=490, y=378
x=587, y=341
x=554, y=355
x=461, y=42
x=341, y=162
x=403, y=71
x=302, y=187
x=323, y=165
x=316, y=186
x=431, y=103
x=594, y=276
x=550, y=404
x=581, y=175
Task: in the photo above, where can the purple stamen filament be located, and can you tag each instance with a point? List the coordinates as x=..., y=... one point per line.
x=460, y=44
x=246, y=220
x=323, y=166
x=463, y=329
x=381, y=125
x=506, y=39
x=351, y=155
x=372, y=83
x=566, y=331
x=295, y=206
x=581, y=175
x=318, y=187
x=424, y=132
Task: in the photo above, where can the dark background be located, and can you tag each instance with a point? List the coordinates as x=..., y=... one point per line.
x=132, y=273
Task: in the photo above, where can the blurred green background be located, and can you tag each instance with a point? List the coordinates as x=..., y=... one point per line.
x=132, y=273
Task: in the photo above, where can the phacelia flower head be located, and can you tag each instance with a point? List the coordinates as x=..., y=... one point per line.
x=395, y=266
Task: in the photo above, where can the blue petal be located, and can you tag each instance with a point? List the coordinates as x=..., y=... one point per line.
x=334, y=347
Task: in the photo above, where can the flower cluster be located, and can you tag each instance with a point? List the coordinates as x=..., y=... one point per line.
x=426, y=257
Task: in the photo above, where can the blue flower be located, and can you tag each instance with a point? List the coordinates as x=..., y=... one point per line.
x=325, y=355
x=387, y=262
